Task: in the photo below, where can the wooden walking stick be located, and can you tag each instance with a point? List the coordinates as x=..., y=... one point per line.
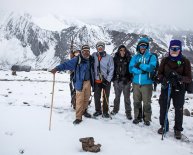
x=52, y=102
x=105, y=96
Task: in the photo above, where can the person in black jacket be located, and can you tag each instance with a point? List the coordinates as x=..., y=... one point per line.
x=122, y=80
x=174, y=73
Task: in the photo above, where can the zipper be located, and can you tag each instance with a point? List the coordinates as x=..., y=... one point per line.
x=140, y=60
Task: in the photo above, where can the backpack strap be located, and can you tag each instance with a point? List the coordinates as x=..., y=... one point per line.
x=99, y=58
x=149, y=59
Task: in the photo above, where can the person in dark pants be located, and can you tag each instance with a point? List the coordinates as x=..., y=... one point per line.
x=155, y=72
x=73, y=54
x=104, y=69
x=122, y=80
x=175, y=70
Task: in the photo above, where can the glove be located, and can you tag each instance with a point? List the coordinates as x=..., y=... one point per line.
x=174, y=78
x=53, y=71
x=144, y=72
x=174, y=75
x=104, y=83
x=157, y=80
x=137, y=65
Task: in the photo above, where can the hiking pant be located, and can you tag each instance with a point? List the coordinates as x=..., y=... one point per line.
x=142, y=93
x=178, y=101
x=120, y=87
x=97, y=96
x=82, y=99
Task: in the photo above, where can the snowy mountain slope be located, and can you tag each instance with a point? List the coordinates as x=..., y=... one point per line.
x=24, y=122
x=161, y=34
x=45, y=42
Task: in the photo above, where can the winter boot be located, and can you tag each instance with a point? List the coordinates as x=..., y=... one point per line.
x=77, y=121
x=113, y=112
x=136, y=121
x=128, y=115
x=86, y=114
x=106, y=115
x=147, y=123
x=161, y=130
x=177, y=134
x=97, y=113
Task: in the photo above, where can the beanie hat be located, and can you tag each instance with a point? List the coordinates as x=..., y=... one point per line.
x=100, y=43
x=85, y=47
x=176, y=43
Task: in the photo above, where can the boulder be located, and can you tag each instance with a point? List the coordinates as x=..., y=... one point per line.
x=186, y=112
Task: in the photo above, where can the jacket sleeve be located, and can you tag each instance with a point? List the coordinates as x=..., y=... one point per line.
x=161, y=70
x=151, y=66
x=187, y=77
x=132, y=68
x=110, y=69
x=68, y=65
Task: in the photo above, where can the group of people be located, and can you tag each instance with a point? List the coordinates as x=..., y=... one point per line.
x=98, y=70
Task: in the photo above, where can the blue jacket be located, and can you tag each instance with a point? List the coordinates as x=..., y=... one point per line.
x=79, y=65
x=138, y=77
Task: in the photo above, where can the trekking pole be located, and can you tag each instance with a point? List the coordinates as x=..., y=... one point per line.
x=52, y=101
x=166, y=115
x=89, y=102
x=107, y=102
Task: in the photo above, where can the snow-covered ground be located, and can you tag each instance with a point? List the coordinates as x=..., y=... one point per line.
x=24, y=120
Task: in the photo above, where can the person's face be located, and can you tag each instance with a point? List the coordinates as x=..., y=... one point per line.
x=122, y=52
x=86, y=53
x=100, y=49
x=76, y=53
x=142, y=48
x=174, y=51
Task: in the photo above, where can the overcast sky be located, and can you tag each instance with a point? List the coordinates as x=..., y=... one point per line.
x=172, y=12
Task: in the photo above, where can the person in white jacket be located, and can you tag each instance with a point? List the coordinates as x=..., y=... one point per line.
x=104, y=70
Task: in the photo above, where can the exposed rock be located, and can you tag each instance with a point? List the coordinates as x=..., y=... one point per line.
x=186, y=112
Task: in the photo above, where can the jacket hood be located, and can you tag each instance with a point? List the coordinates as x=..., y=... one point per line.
x=143, y=40
x=126, y=53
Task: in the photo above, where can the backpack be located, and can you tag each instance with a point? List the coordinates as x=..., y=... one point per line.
x=188, y=86
x=73, y=91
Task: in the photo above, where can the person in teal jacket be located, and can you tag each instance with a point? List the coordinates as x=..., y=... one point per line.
x=142, y=66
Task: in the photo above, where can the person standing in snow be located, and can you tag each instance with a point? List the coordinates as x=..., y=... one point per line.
x=154, y=76
x=83, y=67
x=175, y=70
x=122, y=80
x=141, y=66
x=73, y=53
x=104, y=69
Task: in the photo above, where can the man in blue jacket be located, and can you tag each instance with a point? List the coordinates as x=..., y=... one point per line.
x=141, y=66
x=83, y=67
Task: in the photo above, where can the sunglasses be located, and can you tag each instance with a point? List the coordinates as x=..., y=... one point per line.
x=175, y=49
x=122, y=50
x=86, y=51
x=143, y=46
